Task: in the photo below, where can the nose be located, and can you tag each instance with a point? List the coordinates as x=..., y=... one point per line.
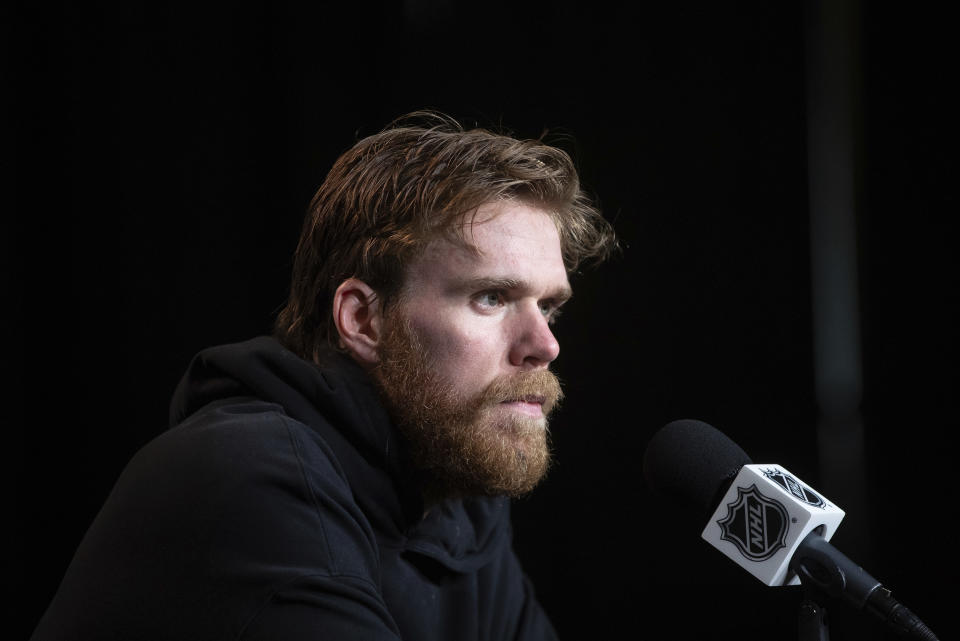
x=534, y=345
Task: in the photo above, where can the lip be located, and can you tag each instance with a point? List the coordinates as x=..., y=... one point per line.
x=531, y=405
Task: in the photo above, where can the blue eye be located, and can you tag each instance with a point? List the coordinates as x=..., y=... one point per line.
x=489, y=299
x=550, y=311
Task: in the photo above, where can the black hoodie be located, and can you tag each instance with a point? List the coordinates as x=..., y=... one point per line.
x=280, y=506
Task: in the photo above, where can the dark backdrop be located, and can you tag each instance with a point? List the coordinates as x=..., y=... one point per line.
x=164, y=156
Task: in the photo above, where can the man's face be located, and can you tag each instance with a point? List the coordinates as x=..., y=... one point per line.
x=463, y=361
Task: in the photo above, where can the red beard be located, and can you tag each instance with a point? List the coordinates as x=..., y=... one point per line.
x=465, y=445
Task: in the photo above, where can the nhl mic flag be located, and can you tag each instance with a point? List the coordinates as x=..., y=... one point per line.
x=763, y=517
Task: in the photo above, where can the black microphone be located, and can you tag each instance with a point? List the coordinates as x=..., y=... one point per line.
x=765, y=519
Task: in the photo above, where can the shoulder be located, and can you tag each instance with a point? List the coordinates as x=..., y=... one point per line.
x=244, y=435
x=252, y=482
x=225, y=520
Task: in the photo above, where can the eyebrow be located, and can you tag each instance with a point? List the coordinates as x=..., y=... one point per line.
x=559, y=294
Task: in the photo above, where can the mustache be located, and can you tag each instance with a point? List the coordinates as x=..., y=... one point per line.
x=539, y=386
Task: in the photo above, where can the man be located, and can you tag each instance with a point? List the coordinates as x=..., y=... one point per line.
x=349, y=477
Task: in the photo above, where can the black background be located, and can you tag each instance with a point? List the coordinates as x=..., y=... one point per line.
x=164, y=155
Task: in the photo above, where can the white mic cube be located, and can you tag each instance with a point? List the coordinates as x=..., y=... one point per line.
x=764, y=516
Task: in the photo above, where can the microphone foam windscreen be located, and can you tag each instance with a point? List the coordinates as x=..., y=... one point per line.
x=693, y=463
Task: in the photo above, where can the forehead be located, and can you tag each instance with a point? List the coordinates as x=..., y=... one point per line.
x=501, y=240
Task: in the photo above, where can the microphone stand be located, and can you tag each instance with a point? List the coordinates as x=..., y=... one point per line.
x=812, y=615
x=824, y=571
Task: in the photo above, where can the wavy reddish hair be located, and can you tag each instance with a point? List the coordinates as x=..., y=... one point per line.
x=393, y=192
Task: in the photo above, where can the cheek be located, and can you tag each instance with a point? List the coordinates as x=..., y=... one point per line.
x=462, y=353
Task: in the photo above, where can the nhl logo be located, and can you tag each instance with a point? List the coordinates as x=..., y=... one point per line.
x=757, y=525
x=794, y=487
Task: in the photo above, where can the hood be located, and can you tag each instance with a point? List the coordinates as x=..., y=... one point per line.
x=337, y=400
x=338, y=392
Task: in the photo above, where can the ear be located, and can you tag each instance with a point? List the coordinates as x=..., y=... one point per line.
x=357, y=315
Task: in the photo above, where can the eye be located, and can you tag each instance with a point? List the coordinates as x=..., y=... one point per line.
x=550, y=310
x=488, y=300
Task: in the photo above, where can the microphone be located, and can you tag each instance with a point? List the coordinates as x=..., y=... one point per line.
x=765, y=519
